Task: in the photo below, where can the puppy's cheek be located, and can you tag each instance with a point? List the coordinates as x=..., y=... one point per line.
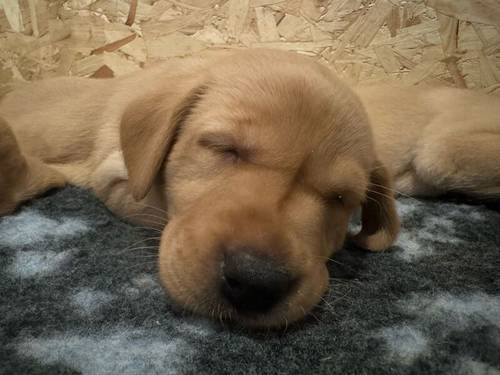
x=310, y=291
x=187, y=273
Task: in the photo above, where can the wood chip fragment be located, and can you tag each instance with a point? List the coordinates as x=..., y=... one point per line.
x=490, y=74
x=160, y=28
x=89, y=65
x=291, y=26
x=266, y=24
x=111, y=47
x=210, y=35
x=456, y=74
x=362, y=32
x=448, y=29
x=131, y=13
x=173, y=45
x=394, y=21
x=103, y=72
x=238, y=11
x=482, y=11
x=136, y=49
x=297, y=46
x=261, y=3
x=421, y=72
x=310, y=10
x=12, y=12
x=388, y=59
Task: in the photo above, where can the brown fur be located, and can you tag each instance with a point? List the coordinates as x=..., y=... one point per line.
x=260, y=149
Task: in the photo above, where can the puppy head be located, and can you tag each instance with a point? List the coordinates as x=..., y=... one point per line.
x=264, y=156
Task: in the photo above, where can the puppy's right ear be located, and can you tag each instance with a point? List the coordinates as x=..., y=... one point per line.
x=149, y=127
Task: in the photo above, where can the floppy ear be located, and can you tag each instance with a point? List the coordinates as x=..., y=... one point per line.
x=379, y=219
x=149, y=127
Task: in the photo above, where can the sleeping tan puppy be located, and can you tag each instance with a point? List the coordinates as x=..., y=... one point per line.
x=259, y=159
x=437, y=140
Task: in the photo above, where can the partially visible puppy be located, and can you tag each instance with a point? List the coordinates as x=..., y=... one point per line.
x=436, y=140
x=259, y=159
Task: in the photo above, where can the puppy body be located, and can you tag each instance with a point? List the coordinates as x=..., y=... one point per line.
x=437, y=140
x=71, y=126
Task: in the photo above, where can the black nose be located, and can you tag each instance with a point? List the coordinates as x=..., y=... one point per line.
x=253, y=284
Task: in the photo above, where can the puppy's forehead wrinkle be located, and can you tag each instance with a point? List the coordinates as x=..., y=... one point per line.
x=292, y=115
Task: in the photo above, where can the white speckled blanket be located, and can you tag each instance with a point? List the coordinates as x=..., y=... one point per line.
x=72, y=300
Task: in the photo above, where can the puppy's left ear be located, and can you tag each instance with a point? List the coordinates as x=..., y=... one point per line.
x=379, y=219
x=149, y=127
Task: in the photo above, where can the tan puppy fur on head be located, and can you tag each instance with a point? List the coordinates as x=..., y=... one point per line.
x=259, y=158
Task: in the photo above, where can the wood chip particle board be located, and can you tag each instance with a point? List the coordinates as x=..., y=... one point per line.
x=453, y=42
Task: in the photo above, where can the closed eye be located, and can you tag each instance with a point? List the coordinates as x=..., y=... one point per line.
x=335, y=198
x=348, y=198
x=222, y=144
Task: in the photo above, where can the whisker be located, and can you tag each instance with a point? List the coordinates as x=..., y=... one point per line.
x=163, y=220
x=310, y=313
x=326, y=259
x=395, y=191
x=121, y=252
x=144, y=205
x=150, y=228
x=286, y=323
x=155, y=256
x=143, y=241
x=379, y=193
x=140, y=264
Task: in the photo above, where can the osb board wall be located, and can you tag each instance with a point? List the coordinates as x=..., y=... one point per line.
x=449, y=42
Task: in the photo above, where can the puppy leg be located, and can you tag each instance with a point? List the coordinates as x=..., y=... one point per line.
x=21, y=178
x=462, y=163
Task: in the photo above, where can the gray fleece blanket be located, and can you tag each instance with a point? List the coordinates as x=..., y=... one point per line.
x=74, y=300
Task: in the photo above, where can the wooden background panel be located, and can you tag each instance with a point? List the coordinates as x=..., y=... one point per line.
x=448, y=42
